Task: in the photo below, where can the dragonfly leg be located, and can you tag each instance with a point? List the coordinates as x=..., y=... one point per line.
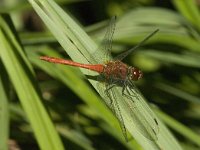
x=110, y=86
x=126, y=92
x=133, y=89
x=107, y=92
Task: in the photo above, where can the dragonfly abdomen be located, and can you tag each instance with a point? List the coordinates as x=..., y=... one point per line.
x=96, y=67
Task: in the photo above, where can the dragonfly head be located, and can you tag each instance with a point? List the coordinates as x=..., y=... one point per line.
x=135, y=74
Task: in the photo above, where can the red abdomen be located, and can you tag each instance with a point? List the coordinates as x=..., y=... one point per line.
x=97, y=68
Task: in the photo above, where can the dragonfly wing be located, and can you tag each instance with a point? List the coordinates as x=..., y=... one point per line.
x=105, y=47
x=110, y=99
x=116, y=110
x=142, y=115
x=126, y=53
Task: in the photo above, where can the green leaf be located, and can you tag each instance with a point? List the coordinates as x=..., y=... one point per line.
x=21, y=74
x=173, y=28
x=4, y=111
x=177, y=126
x=189, y=9
x=185, y=59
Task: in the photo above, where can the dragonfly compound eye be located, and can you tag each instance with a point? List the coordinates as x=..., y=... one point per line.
x=136, y=74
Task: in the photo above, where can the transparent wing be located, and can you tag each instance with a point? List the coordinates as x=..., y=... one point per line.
x=105, y=47
x=144, y=118
x=109, y=97
x=140, y=114
x=126, y=53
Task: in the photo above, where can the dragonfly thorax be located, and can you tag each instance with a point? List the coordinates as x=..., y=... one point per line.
x=117, y=70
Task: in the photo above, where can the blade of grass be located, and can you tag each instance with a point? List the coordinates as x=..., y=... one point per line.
x=21, y=74
x=180, y=128
x=78, y=45
x=4, y=111
x=178, y=92
x=180, y=59
x=76, y=137
x=190, y=10
x=173, y=28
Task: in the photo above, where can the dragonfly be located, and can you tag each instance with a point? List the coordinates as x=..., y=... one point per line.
x=113, y=72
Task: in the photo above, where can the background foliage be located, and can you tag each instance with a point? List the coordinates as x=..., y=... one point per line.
x=169, y=61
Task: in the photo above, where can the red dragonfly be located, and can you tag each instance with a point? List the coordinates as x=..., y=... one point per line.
x=115, y=73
